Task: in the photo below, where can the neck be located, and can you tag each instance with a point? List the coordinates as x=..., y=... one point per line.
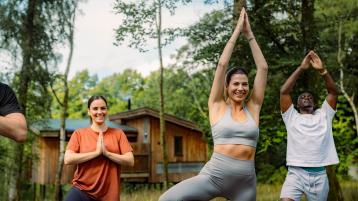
x=307, y=110
x=236, y=105
x=99, y=127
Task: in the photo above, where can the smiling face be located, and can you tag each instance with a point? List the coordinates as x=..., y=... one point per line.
x=98, y=111
x=238, y=87
x=305, y=103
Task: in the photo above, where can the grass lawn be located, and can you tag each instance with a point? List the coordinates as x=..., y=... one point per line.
x=265, y=192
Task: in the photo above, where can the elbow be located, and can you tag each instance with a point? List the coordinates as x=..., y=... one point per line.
x=67, y=161
x=21, y=135
x=282, y=91
x=222, y=65
x=334, y=91
x=131, y=162
x=263, y=66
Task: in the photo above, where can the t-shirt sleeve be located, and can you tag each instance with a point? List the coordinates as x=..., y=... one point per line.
x=124, y=145
x=328, y=110
x=8, y=101
x=288, y=114
x=74, y=143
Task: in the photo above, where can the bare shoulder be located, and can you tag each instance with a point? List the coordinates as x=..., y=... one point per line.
x=216, y=111
x=254, y=110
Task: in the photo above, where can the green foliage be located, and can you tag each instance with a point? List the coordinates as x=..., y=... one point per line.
x=80, y=87
x=345, y=137
x=118, y=88
x=140, y=26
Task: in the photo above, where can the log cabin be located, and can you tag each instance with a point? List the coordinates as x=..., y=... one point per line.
x=187, y=149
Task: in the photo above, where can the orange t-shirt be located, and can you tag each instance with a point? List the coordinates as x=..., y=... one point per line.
x=99, y=177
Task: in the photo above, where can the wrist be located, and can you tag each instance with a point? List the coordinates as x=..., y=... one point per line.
x=301, y=67
x=249, y=39
x=323, y=72
x=249, y=35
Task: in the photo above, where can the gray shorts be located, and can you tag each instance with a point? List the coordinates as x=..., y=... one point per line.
x=298, y=181
x=222, y=176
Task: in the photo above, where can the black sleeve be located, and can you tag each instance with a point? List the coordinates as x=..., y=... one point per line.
x=8, y=101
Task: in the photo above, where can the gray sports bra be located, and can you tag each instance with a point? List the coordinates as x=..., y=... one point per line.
x=229, y=131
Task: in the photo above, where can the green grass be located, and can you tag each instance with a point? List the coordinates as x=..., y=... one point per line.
x=147, y=192
x=265, y=192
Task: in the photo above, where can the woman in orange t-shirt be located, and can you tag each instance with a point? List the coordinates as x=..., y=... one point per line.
x=98, y=151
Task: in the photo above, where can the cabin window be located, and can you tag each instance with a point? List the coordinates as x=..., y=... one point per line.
x=132, y=137
x=178, y=145
x=146, y=131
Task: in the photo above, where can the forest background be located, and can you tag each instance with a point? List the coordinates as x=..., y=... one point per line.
x=30, y=31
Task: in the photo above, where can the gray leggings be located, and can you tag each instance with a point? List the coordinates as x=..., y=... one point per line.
x=222, y=176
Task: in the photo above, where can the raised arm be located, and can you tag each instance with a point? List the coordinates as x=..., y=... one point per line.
x=216, y=93
x=329, y=82
x=286, y=88
x=258, y=92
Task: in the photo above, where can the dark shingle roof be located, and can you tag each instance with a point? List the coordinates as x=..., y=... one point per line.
x=72, y=125
x=137, y=113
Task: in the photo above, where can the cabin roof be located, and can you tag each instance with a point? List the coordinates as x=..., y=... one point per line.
x=53, y=125
x=141, y=112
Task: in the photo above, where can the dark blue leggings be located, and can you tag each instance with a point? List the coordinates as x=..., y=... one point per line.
x=77, y=195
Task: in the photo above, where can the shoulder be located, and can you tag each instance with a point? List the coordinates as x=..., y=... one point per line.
x=4, y=86
x=6, y=89
x=116, y=131
x=80, y=131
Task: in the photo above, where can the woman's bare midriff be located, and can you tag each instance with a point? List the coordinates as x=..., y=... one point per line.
x=239, y=151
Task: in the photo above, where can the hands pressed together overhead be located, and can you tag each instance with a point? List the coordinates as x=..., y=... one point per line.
x=243, y=24
x=312, y=59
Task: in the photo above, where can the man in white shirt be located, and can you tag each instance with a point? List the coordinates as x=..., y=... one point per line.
x=310, y=144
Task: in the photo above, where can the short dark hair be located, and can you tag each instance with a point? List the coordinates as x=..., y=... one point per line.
x=93, y=98
x=232, y=71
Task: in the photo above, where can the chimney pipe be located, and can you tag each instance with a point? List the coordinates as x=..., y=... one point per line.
x=129, y=104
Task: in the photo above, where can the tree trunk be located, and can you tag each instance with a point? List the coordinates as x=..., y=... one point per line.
x=163, y=141
x=25, y=73
x=238, y=5
x=307, y=25
x=308, y=34
x=335, y=191
x=341, y=84
x=58, y=187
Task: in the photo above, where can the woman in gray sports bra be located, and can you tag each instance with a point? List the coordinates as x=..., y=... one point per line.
x=234, y=119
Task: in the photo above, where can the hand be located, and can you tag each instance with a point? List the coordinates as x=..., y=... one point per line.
x=99, y=148
x=240, y=22
x=247, y=28
x=316, y=61
x=305, y=64
x=104, y=150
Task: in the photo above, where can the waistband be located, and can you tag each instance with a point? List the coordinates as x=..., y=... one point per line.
x=314, y=169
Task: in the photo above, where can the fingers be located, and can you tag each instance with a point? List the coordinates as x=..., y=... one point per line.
x=243, y=11
x=314, y=56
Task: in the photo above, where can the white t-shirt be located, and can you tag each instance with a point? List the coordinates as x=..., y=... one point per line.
x=309, y=137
